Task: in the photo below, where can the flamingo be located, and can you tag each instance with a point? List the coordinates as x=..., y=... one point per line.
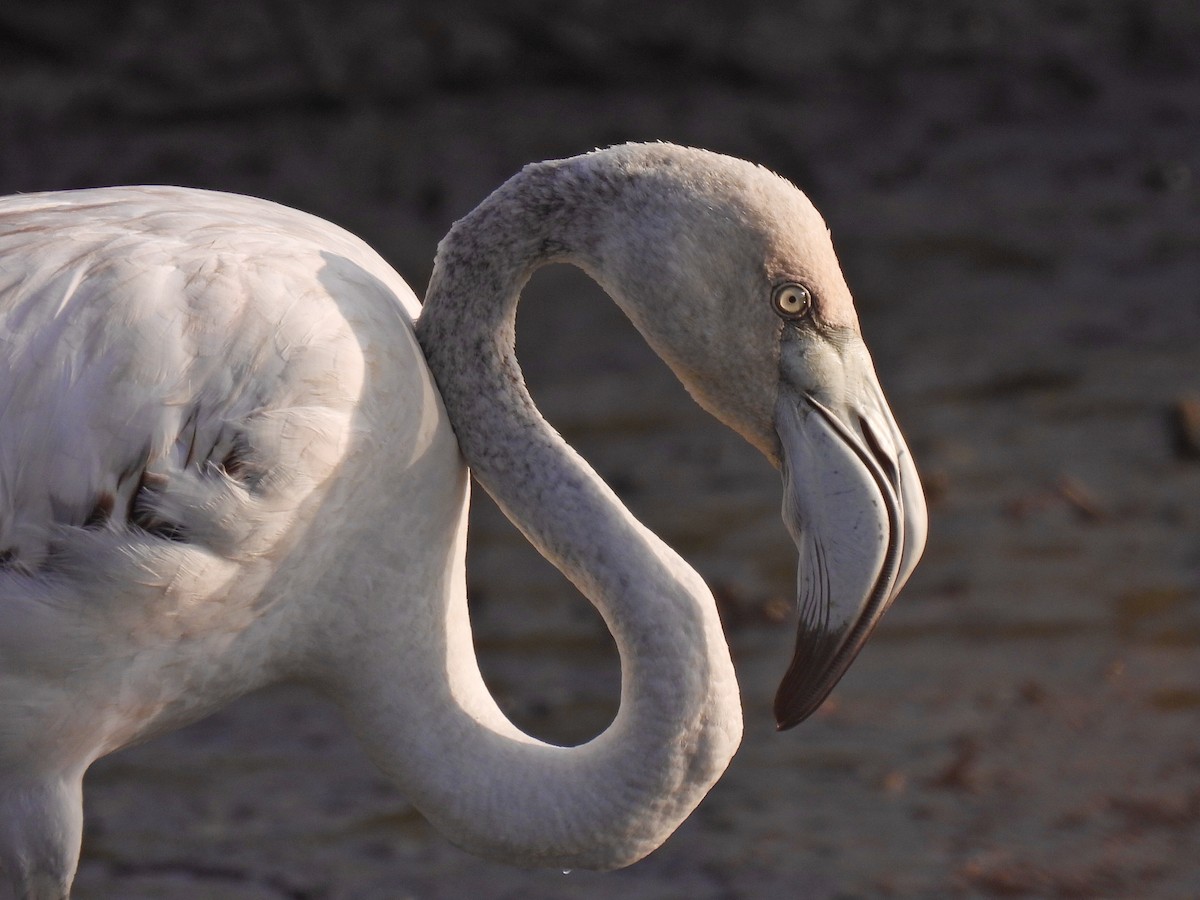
x=235, y=450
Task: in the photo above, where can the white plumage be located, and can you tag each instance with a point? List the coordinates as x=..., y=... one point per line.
x=224, y=461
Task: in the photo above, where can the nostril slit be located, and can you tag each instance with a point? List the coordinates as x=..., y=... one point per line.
x=883, y=458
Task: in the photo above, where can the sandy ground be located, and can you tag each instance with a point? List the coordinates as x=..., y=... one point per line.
x=1014, y=192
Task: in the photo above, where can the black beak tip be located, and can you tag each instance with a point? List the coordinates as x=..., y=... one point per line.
x=816, y=667
x=787, y=718
x=792, y=707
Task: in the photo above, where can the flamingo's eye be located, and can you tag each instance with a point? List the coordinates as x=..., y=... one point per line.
x=791, y=300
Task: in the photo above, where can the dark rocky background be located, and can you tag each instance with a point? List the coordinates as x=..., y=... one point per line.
x=1014, y=189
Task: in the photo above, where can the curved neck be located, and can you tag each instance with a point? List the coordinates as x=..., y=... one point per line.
x=494, y=790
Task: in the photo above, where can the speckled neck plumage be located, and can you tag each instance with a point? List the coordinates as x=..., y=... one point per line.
x=680, y=718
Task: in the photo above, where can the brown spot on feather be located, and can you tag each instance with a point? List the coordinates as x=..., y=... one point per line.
x=101, y=511
x=143, y=513
x=235, y=462
x=192, y=422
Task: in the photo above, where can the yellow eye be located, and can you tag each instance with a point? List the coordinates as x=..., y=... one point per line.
x=792, y=301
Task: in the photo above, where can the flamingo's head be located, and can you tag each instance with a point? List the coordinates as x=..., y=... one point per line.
x=733, y=279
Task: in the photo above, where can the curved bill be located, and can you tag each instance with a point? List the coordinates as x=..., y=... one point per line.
x=854, y=507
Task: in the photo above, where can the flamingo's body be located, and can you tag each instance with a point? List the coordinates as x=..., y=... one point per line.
x=224, y=461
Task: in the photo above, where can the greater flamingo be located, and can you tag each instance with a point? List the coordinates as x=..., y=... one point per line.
x=234, y=450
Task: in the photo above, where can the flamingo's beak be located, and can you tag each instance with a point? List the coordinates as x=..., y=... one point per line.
x=854, y=506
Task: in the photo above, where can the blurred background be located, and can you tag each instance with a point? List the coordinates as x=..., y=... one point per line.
x=1014, y=190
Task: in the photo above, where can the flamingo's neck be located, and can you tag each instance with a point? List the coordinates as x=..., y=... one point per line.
x=489, y=787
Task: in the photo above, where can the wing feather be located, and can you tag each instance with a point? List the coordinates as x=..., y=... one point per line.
x=177, y=376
